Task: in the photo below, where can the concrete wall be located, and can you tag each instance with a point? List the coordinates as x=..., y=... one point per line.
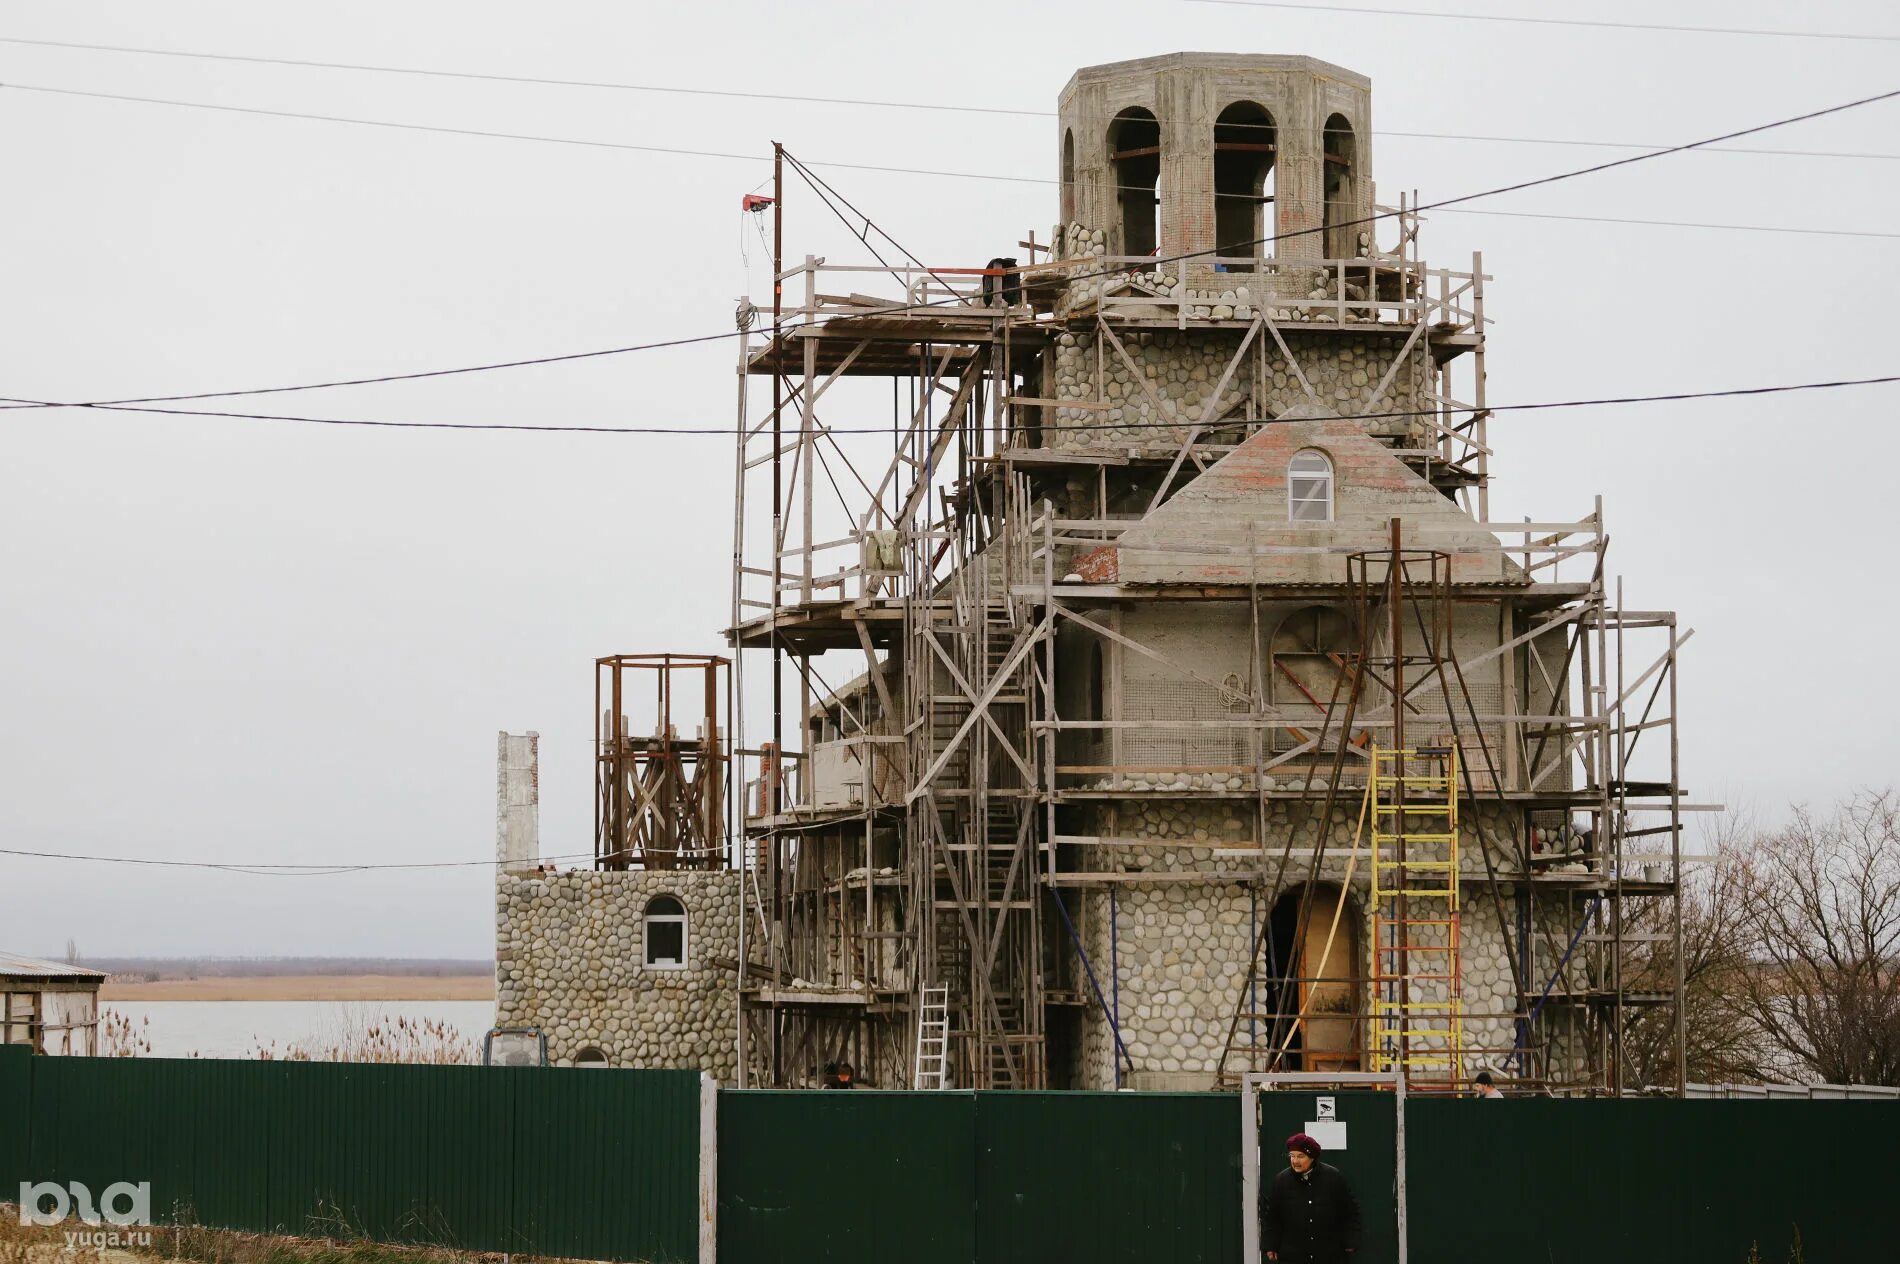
x=569, y=958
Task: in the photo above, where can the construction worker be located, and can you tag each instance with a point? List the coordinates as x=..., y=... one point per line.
x=838, y=1075
x=1487, y=1087
x=1308, y=1214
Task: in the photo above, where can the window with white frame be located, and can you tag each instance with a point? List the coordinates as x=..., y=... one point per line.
x=665, y=927
x=1309, y=487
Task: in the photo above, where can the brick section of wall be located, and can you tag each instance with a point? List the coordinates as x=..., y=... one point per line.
x=1204, y=533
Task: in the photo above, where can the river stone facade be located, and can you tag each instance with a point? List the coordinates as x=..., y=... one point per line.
x=1175, y=961
x=569, y=959
x=1155, y=402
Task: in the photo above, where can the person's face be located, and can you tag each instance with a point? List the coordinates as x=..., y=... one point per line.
x=1299, y=1160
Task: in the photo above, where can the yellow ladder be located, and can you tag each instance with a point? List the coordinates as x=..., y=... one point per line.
x=1412, y=801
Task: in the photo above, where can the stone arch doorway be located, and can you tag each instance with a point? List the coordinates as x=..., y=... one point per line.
x=1316, y=988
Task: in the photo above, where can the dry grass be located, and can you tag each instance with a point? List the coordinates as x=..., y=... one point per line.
x=305, y=987
x=192, y=1244
x=361, y=1037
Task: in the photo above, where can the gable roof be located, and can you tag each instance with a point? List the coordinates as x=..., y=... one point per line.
x=1205, y=533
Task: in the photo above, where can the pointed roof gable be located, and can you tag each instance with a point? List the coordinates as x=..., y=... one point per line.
x=1203, y=534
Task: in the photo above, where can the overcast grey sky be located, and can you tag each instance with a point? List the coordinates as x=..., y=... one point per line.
x=239, y=641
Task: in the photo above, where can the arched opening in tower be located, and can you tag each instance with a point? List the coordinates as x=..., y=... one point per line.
x=1244, y=152
x=1068, y=179
x=1340, y=158
x=1312, y=969
x=1134, y=158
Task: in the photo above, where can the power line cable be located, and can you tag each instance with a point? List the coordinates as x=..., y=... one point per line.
x=727, y=433
x=855, y=102
x=1446, y=203
x=1519, y=186
x=278, y=869
x=992, y=176
x=401, y=377
x=1856, y=36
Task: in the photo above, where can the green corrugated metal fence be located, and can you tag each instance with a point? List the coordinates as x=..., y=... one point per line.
x=847, y=1176
x=1696, y=1182
x=1001, y=1178
x=1107, y=1177
x=605, y=1165
x=590, y=1165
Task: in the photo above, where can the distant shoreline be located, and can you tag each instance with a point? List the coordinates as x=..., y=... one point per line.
x=305, y=987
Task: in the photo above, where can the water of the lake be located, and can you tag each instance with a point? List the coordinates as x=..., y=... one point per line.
x=240, y=1029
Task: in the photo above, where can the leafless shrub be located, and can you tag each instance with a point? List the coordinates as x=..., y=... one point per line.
x=1819, y=915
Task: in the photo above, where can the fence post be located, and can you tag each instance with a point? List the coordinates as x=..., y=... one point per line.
x=708, y=1169
x=1249, y=1170
x=1398, y=1080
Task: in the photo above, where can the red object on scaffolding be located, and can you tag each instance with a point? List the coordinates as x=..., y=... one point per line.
x=754, y=202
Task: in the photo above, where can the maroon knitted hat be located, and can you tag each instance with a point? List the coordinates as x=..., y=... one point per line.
x=1304, y=1144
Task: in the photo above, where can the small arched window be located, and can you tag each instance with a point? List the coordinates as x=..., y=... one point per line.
x=1068, y=182
x=1134, y=158
x=665, y=933
x=592, y=1058
x=1309, y=487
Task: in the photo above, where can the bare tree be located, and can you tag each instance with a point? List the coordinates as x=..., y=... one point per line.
x=1818, y=909
x=1722, y=1041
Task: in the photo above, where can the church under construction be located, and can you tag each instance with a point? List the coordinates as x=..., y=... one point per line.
x=1152, y=700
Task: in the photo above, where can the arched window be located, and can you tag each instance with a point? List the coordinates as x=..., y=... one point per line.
x=1305, y=661
x=1068, y=182
x=1340, y=163
x=1309, y=487
x=1244, y=147
x=592, y=1058
x=1134, y=159
x=665, y=933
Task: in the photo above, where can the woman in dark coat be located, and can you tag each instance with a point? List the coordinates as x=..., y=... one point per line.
x=1308, y=1214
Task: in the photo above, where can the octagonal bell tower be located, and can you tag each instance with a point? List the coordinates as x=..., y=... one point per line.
x=1194, y=152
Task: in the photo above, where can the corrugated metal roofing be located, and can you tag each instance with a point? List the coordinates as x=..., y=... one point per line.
x=14, y=966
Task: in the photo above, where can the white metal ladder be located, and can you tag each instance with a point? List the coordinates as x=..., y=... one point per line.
x=933, y=1039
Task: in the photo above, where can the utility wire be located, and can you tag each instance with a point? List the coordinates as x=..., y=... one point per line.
x=1521, y=185
x=857, y=102
x=277, y=870
x=937, y=172
x=1530, y=21
x=726, y=432
x=397, y=377
x=1423, y=207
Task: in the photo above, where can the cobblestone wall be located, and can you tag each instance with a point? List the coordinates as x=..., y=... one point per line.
x=1179, y=369
x=570, y=959
x=1178, y=954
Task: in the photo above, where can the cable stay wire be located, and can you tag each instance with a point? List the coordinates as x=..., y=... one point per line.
x=854, y=102
x=1603, y=24
x=883, y=431
x=1443, y=204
